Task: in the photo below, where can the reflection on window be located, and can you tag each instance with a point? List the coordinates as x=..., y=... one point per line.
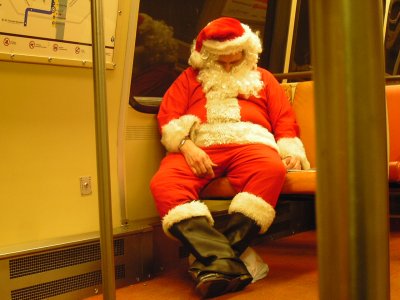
x=156, y=54
x=301, y=56
x=164, y=35
x=275, y=35
x=166, y=30
x=392, y=39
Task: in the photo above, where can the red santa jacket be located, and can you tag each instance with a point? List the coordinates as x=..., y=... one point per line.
x=267, y=118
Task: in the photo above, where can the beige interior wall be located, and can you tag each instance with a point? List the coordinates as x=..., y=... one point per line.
x=143, y=155
x=48, y=142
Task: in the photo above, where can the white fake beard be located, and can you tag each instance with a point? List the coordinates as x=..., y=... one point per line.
x=242, y=79
x=222, y=89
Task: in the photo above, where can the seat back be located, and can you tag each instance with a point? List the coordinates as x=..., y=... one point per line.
x=393, y=107
x=303, y=105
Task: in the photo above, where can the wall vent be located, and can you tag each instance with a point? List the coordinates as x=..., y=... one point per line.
x=63, y=286
x=139, y=132
x=69, y=271
x=59, y=259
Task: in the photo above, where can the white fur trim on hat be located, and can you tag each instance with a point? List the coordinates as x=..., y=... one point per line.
x=293, y=147
x=249, y=42
x=185, y=211
x=234, y=45
x=176, y=130
x=255, y=208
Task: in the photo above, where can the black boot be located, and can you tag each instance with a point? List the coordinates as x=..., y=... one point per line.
x=240, y=231
x=217, y=270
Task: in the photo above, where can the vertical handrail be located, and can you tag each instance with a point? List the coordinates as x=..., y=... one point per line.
x=352, y=186
x=102, y=151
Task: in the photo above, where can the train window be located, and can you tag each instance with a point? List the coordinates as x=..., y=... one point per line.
x=300, y=58
x=299, y=37
x=392, y=39
x=287, y=28
x=166, y=30
x=275, y=35
x=164, y=35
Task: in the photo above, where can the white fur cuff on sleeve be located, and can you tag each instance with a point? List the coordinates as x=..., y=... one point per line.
x=293, y=147
x=176, y=130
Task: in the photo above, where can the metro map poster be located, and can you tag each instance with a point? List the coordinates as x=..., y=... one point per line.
x=54, y=29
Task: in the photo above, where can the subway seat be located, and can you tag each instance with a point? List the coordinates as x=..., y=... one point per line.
x=301, y=96
x=393, y=107
x=298, y=182
x=301, y=182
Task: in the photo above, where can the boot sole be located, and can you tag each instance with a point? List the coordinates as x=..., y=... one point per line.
x=213, y=287
x=217, y=286
x=239, y=283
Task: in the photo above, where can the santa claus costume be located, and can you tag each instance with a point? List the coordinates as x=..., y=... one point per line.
x=243, y=120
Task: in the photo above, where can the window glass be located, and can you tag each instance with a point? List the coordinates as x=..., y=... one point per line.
x=392, y=39
x=275, y=35
x=301, y=56
x=166, y=30
x=164, y=33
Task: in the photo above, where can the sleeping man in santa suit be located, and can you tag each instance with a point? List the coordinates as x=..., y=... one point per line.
x=224, y=116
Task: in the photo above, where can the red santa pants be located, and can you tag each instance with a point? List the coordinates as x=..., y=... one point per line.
x=252, y=168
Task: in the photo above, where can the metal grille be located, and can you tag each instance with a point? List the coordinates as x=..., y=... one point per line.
x=136, y=132
x=62, y=286
x=59, y=259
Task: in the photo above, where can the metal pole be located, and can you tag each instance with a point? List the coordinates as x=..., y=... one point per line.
x=103, y=164
x=352, y=188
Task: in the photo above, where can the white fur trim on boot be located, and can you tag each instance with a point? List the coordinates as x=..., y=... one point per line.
x=255, y=208
x=176, y=130
x=293, y=147
x=183, y=212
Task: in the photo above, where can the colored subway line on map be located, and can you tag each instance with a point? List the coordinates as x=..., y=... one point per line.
x=40, y=11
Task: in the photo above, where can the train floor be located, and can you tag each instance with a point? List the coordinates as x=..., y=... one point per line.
x=293, y=274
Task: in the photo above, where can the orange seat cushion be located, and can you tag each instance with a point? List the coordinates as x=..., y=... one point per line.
x=393, y=107
x=299, y=182
x=303, y=105
x=394, y=171
x=304, y=182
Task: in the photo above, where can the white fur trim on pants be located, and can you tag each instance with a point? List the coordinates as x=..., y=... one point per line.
x=255, y=208
x=183, y=212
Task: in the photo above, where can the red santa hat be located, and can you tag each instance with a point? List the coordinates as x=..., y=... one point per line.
x=223, y=36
